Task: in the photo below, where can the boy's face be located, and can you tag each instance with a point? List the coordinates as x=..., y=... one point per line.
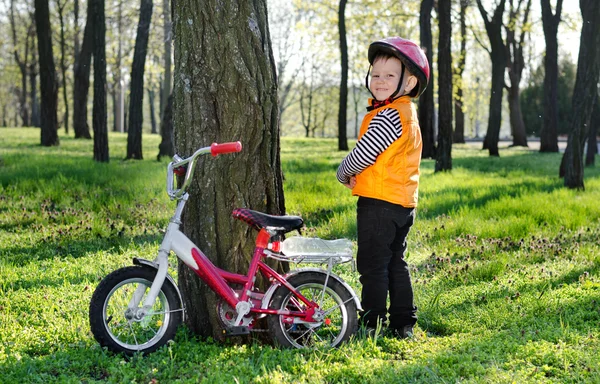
x=385, y=76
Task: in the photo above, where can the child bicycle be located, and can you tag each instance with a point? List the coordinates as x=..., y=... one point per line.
x=138, y=308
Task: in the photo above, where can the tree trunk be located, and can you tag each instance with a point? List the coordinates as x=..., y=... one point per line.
x=76, y=31
x=230, y=94
x=516, y=63
x=151, y=101
x=82, y=80
x=342, y=137
x=516, y=118
x=136, y=97
x=166, y=86
x=118, y=78
x=48, y=82
x=592, y=144
x=99, y=120
x=549, y=133
x=165, y=148
x=426, y=105
x=459, y=115
x=584, y=94
x=499, y=59
x=35, y=104
x=22, y=63
x=443, y=160
x=63, y=65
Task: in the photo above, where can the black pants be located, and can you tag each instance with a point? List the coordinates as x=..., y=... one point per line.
x=382, y=231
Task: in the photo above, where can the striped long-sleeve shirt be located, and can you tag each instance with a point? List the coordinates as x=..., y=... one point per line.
x=384, y=129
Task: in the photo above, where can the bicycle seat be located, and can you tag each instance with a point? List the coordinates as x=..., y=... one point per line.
x=259, y=220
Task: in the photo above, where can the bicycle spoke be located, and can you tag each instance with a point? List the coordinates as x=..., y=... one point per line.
x=133, y=334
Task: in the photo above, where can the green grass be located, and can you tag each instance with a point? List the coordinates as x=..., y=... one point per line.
x=505, y=265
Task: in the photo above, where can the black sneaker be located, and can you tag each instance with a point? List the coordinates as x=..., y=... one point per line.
x=405, y=332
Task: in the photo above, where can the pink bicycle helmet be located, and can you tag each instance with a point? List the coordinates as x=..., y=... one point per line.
x=409, y=53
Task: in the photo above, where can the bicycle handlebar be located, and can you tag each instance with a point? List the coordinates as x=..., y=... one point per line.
x=178, y=164
x=218, y=149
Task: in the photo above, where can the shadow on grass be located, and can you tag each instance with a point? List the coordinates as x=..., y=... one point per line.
x=70, y=247
x=470, y=198
x=77, y=169
x=525, y=315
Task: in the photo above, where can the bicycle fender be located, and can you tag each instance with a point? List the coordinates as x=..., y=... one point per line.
x=151, y=264
x=271, y=291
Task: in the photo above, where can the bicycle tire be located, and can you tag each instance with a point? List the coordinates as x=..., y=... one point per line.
x=121, y=334
x=337, y=302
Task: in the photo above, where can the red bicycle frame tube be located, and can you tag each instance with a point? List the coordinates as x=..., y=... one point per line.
x=218, y=279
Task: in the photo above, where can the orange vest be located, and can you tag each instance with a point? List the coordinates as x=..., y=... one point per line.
x=395, y=175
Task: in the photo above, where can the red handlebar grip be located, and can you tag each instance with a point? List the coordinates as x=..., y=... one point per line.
x=218, y=149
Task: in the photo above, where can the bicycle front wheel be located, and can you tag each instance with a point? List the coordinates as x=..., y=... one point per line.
x=115, y=324
x=337, y=313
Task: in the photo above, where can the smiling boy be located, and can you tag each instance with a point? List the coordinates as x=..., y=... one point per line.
x=383, y=171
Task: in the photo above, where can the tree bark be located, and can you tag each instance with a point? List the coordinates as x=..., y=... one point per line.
x=584, y=94
x=342, y=136
x=82, y=80
x=549, y=133
x=516, y=63
x=443, y=159
x=426, y=104
x=99, y=118
x=226, y=90
x=48, y=82
x=499, y=59
x=136, y=97
x=166, y=148
x=459, y=115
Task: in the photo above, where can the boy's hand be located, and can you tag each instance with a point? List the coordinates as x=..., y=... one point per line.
x=352, y=183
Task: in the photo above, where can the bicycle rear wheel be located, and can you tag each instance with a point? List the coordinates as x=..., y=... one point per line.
x=336, y=307
x=115, y=325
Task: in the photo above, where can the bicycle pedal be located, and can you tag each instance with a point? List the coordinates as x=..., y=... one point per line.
x=237, y=331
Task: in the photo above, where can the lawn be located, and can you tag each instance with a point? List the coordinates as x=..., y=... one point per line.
x=505, y=264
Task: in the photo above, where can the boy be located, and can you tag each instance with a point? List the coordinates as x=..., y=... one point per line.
x=383, y=170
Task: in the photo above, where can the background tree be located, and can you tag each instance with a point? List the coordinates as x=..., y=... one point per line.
x=165, y=148
x=48, y=81
x=443, y=160
x=60, y=5
x=33, y=73
x=82, y=79
x=516, y=63
x=459, y=114
x=22, y=59
x=533, y=97
x=99, y=120
x=426, y=104
x=499, y=59
x=225, y=90
x=549, y=133
x=342, y=138
x=287, y=52
x=584, y=94
x=168, y=43
x=136, y=102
